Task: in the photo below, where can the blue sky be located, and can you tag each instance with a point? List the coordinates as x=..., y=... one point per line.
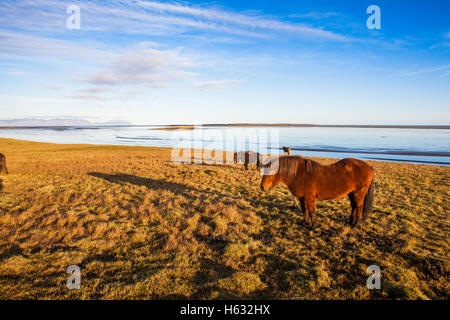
x=153, y=62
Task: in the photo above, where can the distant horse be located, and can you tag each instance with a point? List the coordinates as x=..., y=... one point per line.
x=247, y=157
x=287, y=150
x=310, y=181
x=3, y=169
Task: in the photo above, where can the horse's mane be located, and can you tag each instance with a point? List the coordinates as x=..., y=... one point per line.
x=290, y=166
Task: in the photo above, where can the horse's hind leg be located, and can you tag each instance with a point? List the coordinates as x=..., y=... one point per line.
x=352, y=218
x=357, y=202
x=311, y=205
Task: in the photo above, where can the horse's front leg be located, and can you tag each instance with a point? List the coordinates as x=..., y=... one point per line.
x=305, y=211
x=310, y=203
x=309, y=210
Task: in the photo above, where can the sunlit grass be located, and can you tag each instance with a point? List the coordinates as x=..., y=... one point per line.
x=140, y=226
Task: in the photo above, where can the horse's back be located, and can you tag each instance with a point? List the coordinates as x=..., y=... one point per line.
x=359, y=169
x=336, y=180
x=358, y=163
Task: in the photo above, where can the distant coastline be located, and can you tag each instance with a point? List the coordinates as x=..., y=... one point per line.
x=306, y=125
x=190, y=126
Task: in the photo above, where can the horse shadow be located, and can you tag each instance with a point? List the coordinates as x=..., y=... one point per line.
x=156, y=184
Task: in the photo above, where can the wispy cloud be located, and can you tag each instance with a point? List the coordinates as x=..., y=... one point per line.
x=445, y=68
x=21, y=73
x=17, y=43
x=87, y=97
x=103, y=94
x=151, y=67
x=317, y=15
x=94, y=90
x=95, y=93
x=150, y=17
x=216, y=16
x=215, y=84
x=444, y=43
x=52, y=86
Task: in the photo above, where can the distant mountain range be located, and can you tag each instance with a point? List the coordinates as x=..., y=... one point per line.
x=33, y=122
x=79, y=122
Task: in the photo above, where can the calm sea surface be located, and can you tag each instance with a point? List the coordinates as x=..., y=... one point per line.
x=428, y=146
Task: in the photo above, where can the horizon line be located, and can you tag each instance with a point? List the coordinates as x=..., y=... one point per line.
x=237, y=124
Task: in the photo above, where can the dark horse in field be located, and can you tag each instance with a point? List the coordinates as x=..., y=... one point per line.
x=3, y=169
x=247, y=157
x=310, y=181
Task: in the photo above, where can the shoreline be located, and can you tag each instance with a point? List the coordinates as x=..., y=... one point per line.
x=384, y=160
x=393, y=153
x=193, y=126
x=300, y=125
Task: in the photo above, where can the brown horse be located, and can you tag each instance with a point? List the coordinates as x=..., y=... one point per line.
x=310, y=181
x=3, y=169
x=287, y=150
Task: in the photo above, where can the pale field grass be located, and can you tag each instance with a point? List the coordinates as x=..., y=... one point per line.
x=142, y=227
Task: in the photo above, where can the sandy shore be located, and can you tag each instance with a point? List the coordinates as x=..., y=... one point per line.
x=140, y=226
x=174, y=128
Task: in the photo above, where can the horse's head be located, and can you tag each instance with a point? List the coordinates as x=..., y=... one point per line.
x=272, y=175
x=268, y=182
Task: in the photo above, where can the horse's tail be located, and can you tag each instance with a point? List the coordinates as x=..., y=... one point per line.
x=368, y=202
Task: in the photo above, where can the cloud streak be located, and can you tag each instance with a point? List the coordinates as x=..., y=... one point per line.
x=16, y=43
x=215, y=84
x=244, y=20
x=315, y=15
x=150, y=67
x=445, y=68
x=150, y=17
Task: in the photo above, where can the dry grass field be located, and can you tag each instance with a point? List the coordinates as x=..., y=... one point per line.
x=142, y=227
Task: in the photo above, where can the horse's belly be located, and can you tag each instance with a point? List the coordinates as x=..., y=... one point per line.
x=333, y=195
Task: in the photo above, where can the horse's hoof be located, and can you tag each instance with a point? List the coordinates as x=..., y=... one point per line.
x=355, y=224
